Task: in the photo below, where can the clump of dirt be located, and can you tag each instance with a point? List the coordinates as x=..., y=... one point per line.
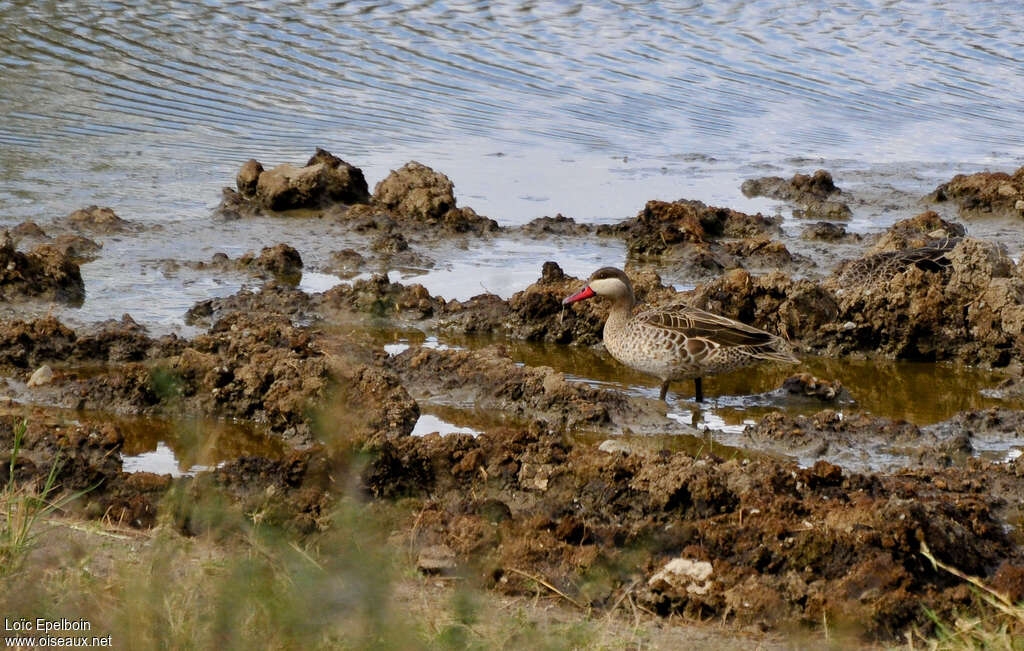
x=98, y=220
x=663, y=225
x=377, y=296
x=814, y=193
x=272, y=298
x=280, y=261
x=828, y=232
x=559, y=225
x=926, y=229
x=759, y=540
x=805, y=384
x=25, y=345
x=984, y=193
x=42, y=273
x=690, y=234
x=490, y=379
x=86, y=458
x=76, y=247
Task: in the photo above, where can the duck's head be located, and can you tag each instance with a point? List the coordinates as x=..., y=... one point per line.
x=607, y=281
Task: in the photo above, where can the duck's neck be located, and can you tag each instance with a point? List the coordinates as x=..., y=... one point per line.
x=621, y=312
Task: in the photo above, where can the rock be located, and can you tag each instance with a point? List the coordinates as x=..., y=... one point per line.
x=248, y=176
x=805, y=384
x=559, y=225
x=76, y=246
x=813, y=193
x=42, y=376
x=682, y=575
x=800, y=188
x=280, y=259
x=416, y=191
x=324, y=180
x=99, y=220
x=689, y=233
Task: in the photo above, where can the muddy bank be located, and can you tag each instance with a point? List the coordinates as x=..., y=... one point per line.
x=749, y=541
x=984, y=193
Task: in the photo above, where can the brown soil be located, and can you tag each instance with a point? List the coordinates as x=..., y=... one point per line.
x=984, y=193
x=43, y=273
x=828, y=232
x=98, y=220
x=784, y=545
x=281, y=261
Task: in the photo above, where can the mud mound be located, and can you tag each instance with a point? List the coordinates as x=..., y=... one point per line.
x=984, y=192
x=828, y=232
x=98, y=220
x=753, y=541
x=663, y=226
x=926, y=229
x=415, y=193
x=87, y=460
x=490, y=379
x=272, y=298
x=690, y=234
x=813, y=193
x=559, y=225
x=325, y=179
x=254, y=367
x=378, y=296
x=44, y=273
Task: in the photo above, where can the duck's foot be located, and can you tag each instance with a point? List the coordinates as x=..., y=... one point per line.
x=698, y=390
x=664, y=390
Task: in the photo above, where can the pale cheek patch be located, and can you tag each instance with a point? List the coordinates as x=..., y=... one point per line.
x=608, y=286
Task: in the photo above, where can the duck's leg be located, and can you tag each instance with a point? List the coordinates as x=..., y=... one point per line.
x=664, y=390
x=699, y=390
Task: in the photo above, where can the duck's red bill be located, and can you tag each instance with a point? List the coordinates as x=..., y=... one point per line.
x=586, y=292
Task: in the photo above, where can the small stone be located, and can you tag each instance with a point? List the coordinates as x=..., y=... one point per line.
x=42, y=376
x=435, y=559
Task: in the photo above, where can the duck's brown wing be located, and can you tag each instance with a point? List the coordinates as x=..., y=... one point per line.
x=693, y=323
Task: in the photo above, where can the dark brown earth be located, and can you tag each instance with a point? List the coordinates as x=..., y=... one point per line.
x=45, y=272
x=984, y=193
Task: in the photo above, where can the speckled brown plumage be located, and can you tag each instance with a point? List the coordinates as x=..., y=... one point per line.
x=677, y=342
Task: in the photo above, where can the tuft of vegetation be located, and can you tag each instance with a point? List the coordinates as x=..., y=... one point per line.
x=1000, y=628
x=24, y=506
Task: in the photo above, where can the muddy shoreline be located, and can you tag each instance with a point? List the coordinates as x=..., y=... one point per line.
x=823, y=513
